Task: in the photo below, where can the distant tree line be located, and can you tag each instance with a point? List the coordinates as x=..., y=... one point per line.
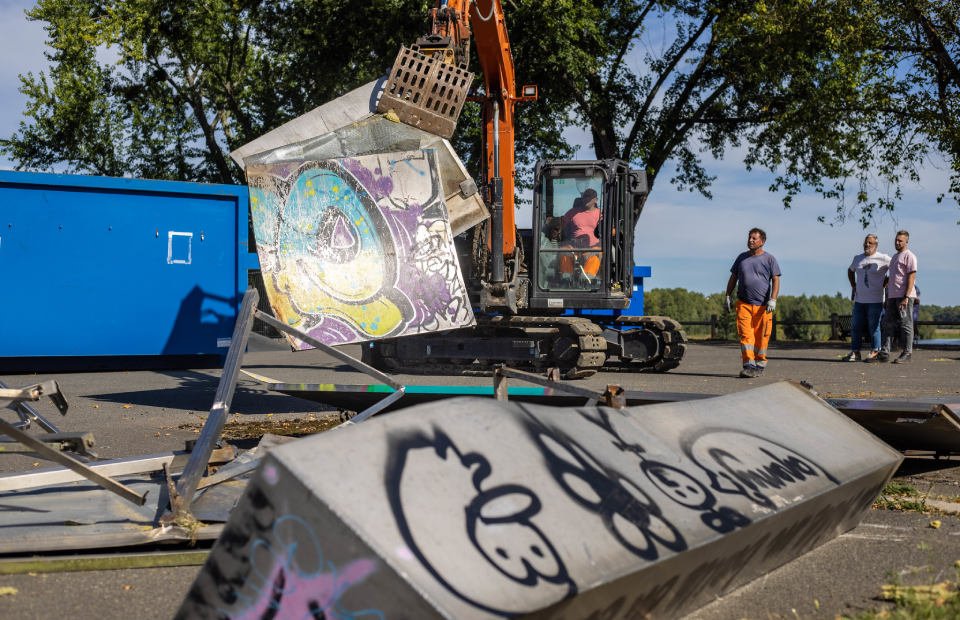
x=690, y=306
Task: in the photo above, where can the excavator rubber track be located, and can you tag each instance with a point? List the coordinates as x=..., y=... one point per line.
x=576, y=345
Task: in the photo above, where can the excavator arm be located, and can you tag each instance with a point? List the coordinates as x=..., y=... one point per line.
x=450, y=26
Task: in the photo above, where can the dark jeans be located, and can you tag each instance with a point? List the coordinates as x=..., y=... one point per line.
x=865, y=316
x=889, y=324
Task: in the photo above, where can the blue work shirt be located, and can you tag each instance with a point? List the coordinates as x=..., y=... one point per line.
x=755, y=276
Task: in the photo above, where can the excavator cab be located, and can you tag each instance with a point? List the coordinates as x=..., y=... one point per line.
x=582, y=245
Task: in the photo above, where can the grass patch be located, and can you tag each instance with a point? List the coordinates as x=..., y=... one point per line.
x=934, y=602
x=901, y=497
x=901, y=490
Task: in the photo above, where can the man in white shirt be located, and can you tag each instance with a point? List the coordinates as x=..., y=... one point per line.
x=868, y=278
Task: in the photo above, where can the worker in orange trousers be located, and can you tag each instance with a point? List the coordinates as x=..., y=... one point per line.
x=758, y=273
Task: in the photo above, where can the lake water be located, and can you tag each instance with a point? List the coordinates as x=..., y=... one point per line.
x=945, y=342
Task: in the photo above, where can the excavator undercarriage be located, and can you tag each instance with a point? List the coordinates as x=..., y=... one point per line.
x=578, y=346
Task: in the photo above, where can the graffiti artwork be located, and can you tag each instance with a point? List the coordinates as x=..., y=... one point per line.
x=505, y=543
x=357, y=249
x=479, y=509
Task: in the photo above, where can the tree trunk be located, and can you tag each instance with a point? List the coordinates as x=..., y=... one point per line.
x=216, y=153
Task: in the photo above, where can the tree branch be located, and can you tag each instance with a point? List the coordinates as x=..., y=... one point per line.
x=679, y=135
x=638, y=121
x=935, y=42
x=627, y=41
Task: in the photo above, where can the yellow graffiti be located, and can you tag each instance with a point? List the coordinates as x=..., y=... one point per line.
x=375, y=318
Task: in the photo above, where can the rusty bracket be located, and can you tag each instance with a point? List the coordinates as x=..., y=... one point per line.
x=50, y=389
x=615, y=397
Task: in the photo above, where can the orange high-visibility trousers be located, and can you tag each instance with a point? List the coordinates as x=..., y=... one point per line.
x=753, y=325
x=591, y=263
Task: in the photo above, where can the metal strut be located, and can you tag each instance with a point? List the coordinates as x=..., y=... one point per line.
x=51, y=390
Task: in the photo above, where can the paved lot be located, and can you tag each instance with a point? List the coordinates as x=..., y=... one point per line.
x=140, y=412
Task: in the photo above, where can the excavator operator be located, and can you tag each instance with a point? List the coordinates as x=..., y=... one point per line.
x=580, y=226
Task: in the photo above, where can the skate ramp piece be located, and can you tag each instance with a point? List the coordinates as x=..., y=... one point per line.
x=359, y=397
x=357, y=249
x=907, y=424
x=376, y=134
x=477, y=509
x=356, y=105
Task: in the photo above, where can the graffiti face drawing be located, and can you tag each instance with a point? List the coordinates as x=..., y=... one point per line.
x=626, y=510
x=480, y=541
x=333, y=252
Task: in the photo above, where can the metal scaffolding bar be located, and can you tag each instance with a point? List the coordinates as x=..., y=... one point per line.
x=197, y=463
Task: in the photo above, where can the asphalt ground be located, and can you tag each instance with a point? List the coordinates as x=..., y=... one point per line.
x=142, y=412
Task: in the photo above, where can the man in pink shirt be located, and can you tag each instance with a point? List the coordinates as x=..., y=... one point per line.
x=580, y=225
x=900, y=298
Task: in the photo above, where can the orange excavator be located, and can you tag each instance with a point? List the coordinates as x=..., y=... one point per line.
x=554, y=297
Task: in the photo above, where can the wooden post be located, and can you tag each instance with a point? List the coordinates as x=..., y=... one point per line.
x=834, y=326
x=714, y=327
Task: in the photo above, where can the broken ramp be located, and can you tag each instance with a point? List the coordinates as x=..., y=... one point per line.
x=473, y=508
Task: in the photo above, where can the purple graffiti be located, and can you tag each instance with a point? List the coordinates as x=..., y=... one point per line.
x=379, y=186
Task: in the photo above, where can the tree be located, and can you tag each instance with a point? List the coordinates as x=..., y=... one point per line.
x=193, y=80
x=922, y=39
x=848, y=97
x=788, y=78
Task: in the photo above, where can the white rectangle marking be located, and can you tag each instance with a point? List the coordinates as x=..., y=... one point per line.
x=224, y=342
x=179, y=261
x=554, y=303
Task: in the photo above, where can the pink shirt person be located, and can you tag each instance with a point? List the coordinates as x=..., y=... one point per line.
x=582, y=220
x=901, y=266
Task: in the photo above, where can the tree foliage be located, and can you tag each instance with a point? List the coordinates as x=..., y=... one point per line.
x=848, y=97
x=817, y=91
x=192, y=81
x=689, y=306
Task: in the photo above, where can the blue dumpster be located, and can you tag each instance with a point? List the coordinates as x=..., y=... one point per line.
x=118, y=273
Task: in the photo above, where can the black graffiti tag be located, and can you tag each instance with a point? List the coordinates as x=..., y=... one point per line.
x=741, y=463
x=627, y=512
x=489, y=531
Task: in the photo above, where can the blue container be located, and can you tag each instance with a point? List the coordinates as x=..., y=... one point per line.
x=118, y=273
x=636, y=301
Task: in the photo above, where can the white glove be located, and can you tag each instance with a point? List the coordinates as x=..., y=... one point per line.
x=771, y=304
x=727, y=304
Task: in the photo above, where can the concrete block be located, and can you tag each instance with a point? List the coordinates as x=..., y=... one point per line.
x=376, y=134
x=479, y=509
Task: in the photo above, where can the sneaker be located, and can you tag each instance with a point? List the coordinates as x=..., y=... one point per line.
x=748, y=372
x=854, y=356
x=871, y=356
x=879, y=357
x=903, y=359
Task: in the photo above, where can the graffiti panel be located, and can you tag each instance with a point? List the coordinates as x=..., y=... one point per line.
x=490, y=509
x=357, y=249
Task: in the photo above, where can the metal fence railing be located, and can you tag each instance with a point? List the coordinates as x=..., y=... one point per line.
x=839, y=325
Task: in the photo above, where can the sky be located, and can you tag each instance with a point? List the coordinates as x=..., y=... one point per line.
x=687, y=240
